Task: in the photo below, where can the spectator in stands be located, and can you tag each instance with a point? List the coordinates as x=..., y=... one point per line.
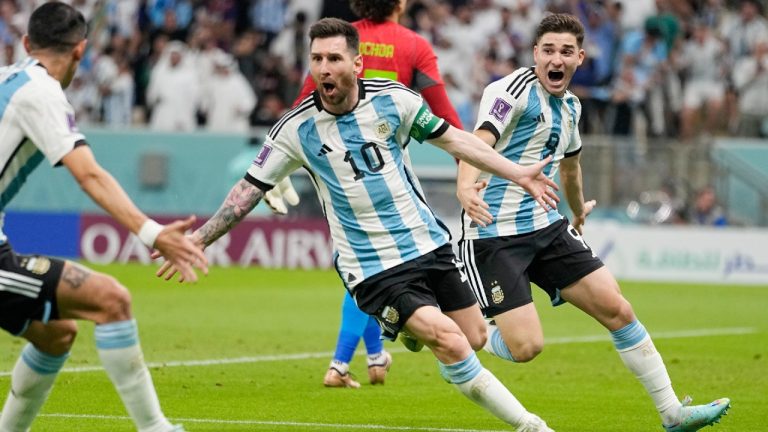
x=704, y=88
x=181, y=12
x=268, y=17
x=271, y=108
x=706, y=210
x=228, y=99
x=750, y=76
x=173, y=92
x=750, y=29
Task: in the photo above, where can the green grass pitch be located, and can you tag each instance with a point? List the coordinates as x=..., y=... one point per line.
x=263, y=340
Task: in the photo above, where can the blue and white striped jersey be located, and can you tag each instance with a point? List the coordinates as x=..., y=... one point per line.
x=529, y=124
x=362, y=172
x=36, y=122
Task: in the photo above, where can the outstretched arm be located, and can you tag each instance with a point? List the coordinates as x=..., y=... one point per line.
x=469, y=148
x=242, y=198
x=468, y=188
x=169, y=240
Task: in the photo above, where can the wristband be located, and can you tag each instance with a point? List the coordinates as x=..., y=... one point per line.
x=149, y=232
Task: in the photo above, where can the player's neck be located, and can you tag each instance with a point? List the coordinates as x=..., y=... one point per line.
x=57, y=65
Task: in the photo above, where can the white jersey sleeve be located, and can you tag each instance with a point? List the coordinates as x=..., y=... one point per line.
x=500, y=104
x=574, y=144
x=274, y=162
x=46, y=117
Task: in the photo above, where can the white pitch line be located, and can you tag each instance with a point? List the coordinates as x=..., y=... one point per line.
x=304, y=356
x=334, y=426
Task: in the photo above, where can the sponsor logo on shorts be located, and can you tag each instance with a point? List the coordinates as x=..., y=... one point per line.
x=500, y=109
x=37, y=265
x=390, y=315
x=497, y=294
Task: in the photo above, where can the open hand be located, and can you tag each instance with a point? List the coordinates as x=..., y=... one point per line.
x=182, y=254
x=578, y=221
x=473, y=205
x=538, y=185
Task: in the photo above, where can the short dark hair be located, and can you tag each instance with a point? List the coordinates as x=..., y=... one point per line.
x=330, y=27
x=561, y=23
x=56, y=26
x=374, y=10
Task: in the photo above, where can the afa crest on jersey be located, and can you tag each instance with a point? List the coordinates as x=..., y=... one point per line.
x=383, y=129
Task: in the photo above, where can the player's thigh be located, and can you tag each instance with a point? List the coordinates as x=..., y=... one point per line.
x=563, y=262
x=440, y=333
x=392, y=301
x=521, y=331
x=598, y=294
x=27, y=289
x=471, y=323
x=86, y=294
x=496, y=270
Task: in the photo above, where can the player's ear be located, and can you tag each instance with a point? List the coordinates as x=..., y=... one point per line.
x=582, y=56
x=25, y=42
x=79, y=51
x=358, y=64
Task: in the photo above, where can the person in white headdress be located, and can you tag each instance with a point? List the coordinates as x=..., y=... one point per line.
x=174, y=91
x=228, y=98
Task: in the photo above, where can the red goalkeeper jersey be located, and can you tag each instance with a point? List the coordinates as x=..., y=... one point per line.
x=392, y=51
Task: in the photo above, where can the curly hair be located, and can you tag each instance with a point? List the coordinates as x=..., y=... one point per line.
x=374, y=10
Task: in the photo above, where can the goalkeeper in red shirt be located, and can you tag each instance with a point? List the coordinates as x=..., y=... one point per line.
x=391, y=51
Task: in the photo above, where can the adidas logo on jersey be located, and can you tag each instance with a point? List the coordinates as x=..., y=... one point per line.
x=324, y=150
x=540, y=118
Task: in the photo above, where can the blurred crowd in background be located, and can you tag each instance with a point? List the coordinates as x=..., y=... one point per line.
x=658, y=68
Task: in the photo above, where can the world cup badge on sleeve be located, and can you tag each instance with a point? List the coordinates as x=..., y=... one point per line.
x=500, y=109
x=263, y=155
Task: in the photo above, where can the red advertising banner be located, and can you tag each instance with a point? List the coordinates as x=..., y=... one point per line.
x=266, y=242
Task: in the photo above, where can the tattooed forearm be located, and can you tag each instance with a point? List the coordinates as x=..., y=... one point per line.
x=241, y=200
x=74, y=275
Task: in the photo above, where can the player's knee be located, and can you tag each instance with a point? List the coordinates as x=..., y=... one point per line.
x=526, y=351
x=451, y=344
x=623, y=313
x=116, y=301
x=477, y=337
x=59, y=338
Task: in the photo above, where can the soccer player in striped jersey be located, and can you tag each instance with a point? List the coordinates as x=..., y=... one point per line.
x=392, y=253
x=41, y=296
x=509, y=240
x=391, y=51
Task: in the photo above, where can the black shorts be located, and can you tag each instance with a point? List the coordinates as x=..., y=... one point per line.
x=434, y=279
x=27, y=289
x=501, y=269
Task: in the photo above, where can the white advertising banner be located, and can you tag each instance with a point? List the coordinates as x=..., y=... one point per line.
x=681, y=253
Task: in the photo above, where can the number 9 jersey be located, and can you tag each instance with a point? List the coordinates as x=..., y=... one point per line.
x=361, y=170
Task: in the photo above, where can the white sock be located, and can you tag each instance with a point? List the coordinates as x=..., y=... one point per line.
x=378, y=359
x=638, y=353
x=120, y=353
x=341, y=367
x=31, y=382
x=483, y=388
